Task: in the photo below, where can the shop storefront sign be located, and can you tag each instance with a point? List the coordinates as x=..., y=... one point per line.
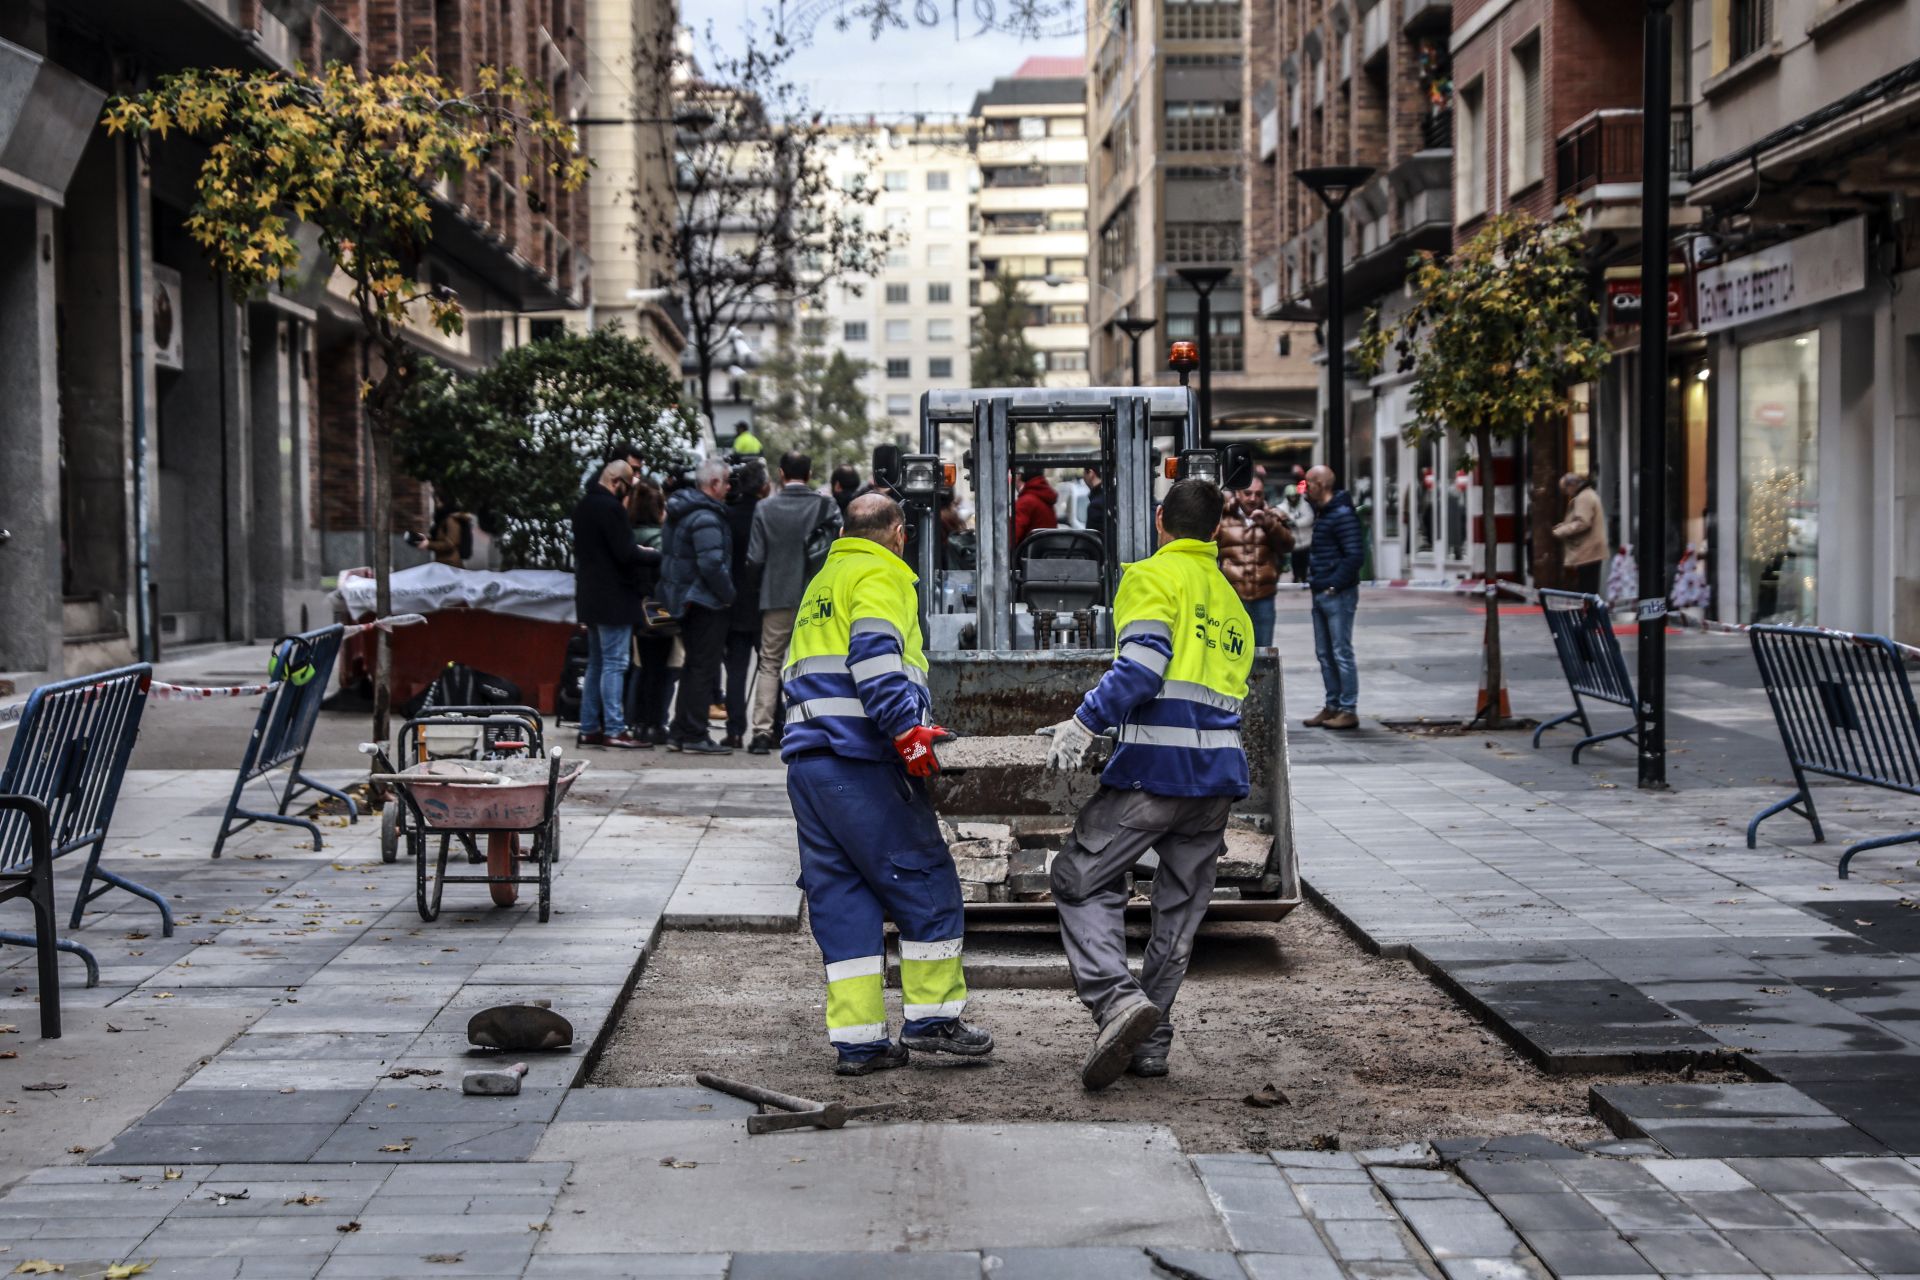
x=1623, y=303
x=1827, y=264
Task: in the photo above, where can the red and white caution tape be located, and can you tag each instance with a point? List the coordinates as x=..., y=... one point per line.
x=386, y=624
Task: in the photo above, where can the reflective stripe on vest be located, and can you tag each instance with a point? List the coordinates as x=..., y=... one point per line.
x=830, y=665
x=1187, y=691
x=1160, y=735
x=1147, y=656
x=816, y=708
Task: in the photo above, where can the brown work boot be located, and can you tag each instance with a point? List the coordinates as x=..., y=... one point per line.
x=1341, y=720
x=1320, y=717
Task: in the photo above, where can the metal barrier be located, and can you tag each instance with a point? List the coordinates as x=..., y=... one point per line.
x=302, y=665
x=1845, y=709
x=70, y=753
x=27, y=872
x=1582, y=630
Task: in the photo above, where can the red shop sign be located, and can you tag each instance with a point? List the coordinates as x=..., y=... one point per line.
x=1623, y=303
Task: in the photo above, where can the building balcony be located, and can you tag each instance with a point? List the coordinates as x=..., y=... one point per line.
x=1397, y=214
x=1599, y=158
x=1436, y=130
x=1425, y=15
x=1376, y=33
x=46, y=114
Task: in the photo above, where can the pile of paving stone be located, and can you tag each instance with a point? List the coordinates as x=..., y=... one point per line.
x=1009, y=861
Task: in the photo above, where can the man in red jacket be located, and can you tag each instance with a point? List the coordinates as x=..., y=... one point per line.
x=1033, y=509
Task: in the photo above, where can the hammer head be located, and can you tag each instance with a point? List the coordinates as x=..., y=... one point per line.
x=494, y=1082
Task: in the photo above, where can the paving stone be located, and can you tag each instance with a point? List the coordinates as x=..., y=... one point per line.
x=255, y=1106
x=1876, y=1175
x=1565, y=1211
x=1462, y=1229
x=1369, y=1240
x=1696, y=1175
x=214, y=1143
x=430, y=1141
x=1586, y=1253
x=1881, y=1252
x=1281, y=1266
x=1789, y=1175
x=1104, y=1264
x=1327, y=1201
x=670, y=1103
x=1760, y=1136
x=450, y=1105
x=627, y=1266
x=1686, y=1253
x=1801, y=1253
x=1527, y=1268
x=1739, y=1209
x=1839, y=1210
x=1629, y=1211
x=1606, y=1175
x=855, y=1266
x=1491, y=1176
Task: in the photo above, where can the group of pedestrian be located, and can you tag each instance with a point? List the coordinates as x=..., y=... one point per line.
x=694, y=583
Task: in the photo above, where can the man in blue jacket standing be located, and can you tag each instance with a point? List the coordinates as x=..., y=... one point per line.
x=1333, y=576
x=697, y=584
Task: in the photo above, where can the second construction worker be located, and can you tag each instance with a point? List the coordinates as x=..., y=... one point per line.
x=858, y=747
x=1174, y=694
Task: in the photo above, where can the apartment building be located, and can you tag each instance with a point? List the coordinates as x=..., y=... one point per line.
x=182, y=464
x=908, y=324
x=1170, y=136
x=1030, y=219
x=1805, y=168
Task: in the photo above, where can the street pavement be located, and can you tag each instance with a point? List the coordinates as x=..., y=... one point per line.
x=274, y=1089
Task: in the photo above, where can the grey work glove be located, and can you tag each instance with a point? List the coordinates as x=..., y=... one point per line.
x=1071, y=743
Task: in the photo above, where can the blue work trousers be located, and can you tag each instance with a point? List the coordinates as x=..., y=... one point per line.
x=602, y=707
x=1333, y=645
x=870, y=850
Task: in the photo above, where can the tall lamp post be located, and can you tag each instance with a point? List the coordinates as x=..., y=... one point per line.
x=1136, y=328
x=1334, y=184
x=1656, y=112
x=1203, y=281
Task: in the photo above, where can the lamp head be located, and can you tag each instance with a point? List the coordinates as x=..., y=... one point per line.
x=1334, y=183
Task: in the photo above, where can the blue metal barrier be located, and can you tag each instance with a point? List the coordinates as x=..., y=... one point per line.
x=302, y=665
x=70, y=753
x=28, y=873
x=1845, y=709
x=1582, y=630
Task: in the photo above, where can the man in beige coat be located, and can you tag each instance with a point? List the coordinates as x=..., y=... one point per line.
x=1583, y=534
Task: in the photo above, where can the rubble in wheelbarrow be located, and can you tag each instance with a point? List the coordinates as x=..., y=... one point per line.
x=1010, y=861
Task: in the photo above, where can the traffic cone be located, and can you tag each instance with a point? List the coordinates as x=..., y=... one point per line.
x=1480, y=695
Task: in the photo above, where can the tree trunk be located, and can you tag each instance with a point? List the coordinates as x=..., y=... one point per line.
x=705, y=357
x=1490, y=555
x=382, y=432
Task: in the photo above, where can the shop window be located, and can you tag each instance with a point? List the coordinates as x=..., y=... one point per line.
x=1779, y=491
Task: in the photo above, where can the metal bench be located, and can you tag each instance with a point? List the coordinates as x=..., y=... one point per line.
x=1845, y=710
x=1582, y=630
x=69, y=754
x=302, y=667
x=29, y=875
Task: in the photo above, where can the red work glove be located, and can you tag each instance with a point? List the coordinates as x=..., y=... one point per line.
x=916, y=749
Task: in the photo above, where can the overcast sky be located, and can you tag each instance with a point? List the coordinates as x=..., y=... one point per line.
x=920, y=69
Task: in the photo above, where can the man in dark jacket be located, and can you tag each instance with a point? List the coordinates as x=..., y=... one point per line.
x=697, y=584
x=1033, y=509
x=743, y=620
x=1333, y=575
x=784, y=527
x=611, y=575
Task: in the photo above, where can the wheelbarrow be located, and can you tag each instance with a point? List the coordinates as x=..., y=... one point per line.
x=457, y=733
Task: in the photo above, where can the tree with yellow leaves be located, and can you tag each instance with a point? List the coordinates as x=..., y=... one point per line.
x=356, y=157
x=1495, y=338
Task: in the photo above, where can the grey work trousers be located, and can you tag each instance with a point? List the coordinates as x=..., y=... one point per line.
x=1088, y=877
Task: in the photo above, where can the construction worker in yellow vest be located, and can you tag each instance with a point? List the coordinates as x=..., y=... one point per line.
x=1173, y=695
x=859, y=744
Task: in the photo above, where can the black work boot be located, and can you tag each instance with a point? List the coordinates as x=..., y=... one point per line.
x=1148, y=1064
x=1113, y=1048
x=958, y=1037
x=894, y=1055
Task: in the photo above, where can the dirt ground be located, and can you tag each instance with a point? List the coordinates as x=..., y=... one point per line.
x=1366, y=1051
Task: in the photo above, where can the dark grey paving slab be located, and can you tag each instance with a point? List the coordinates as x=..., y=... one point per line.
x=1789, y=1175
x=1566, y=1211
x=667, y=1103
x=1105, y=1264
x=1792, y=1253
x=855, y=1266
x=432, y=1141
x=1631, y=1211
x=627, y=1266
x=1881, y=1252
x=255, y=1106
x=450, y=1105
x=1586, y=1253
x=1687, y=1253
x=1722, y=1137
x=1283, y=1266
x=214, y=1144
x=1464, y=1229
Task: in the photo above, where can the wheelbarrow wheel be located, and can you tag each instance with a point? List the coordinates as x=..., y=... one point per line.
x=392, y=828
x=503, y=849
x=428, y=885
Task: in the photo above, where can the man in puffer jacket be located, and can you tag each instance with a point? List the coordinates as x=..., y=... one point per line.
x=1033, y=509
x=1254, y=541
x=697, y=585
x=1333, y=574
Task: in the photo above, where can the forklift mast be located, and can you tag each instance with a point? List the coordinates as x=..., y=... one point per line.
x=1128, y=419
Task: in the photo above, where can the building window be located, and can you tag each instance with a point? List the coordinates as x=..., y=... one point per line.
x=1032, y=127
x=899, y=258
x=856, y=331
x=899, y=331
x=1526, y=142
x=939, y=293
x=1067, y=127
x=1203, y=242
x=899, y=406
x=894, y=179
x=940, y=218
x=939, y=255
x=940, y=367
x=939, y=331
x=1227, y=350
x=1071, y=268
x=899, y=368
x=1201, y=20
x=1066, y=175
x=1749, y=28
x=937, y=179
x=1018, y=267
x=1203, y=126
x=899, y=219
x=897, y=293
x=1470, y=152
x=1780, y=479
x=813, y=329
x=1116, y=243
x=1066, y=361
x=1075, y=314
x=1067, y=220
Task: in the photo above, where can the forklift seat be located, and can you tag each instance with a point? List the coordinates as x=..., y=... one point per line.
x=1059, y=570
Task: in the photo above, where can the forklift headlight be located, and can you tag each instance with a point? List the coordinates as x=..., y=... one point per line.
x=1200, y=464
x=920, y=475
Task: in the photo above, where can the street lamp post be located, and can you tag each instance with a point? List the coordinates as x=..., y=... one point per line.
x=1657, y=90
x=1333, y=184
x=1203, y=281
x=1136, y=328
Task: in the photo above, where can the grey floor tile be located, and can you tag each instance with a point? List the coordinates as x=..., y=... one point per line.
x=403, y=1142
x=1104, y=1264
x=1688, y=1253
x=1798, y=1253
x=627, y=1266
x=214, y=1144
x=855, y=1266
x=1586, y=1253
x=1881, y=1252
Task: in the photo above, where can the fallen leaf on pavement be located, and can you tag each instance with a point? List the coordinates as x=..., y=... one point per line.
x=8, y=1029
x=446, y=1257
x=668, y=1162
x=45, y=1086
x=538, y=1226
x=1864, y=924
x=398, y=1146
x=112, y=1028
x=76, y=1151
x=10, y=1053
x=304, y=1198
x=171, y=1175
x=347, y=1228
x=126, y=1270
x=1267, y=1096
x=37, y=1267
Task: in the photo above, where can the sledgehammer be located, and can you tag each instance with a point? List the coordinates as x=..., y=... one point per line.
x=792, y=1112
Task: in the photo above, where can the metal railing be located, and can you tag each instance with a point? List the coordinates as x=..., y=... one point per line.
x=1589, y=651
x=1604, y=148
x=1436, y=130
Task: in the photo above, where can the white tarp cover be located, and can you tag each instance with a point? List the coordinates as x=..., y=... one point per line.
x=542, y=594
